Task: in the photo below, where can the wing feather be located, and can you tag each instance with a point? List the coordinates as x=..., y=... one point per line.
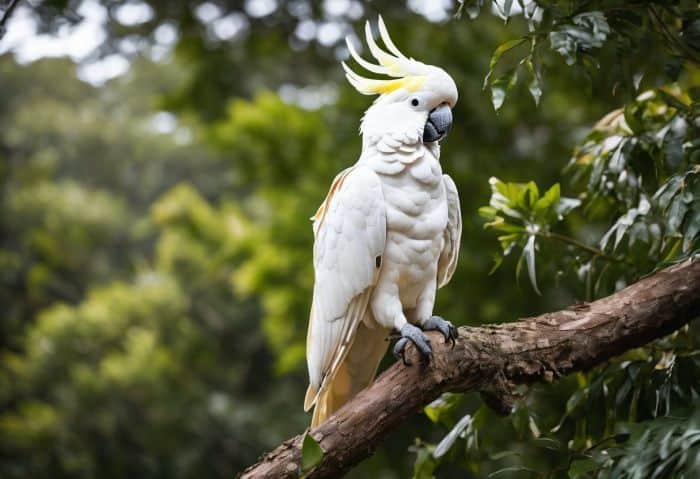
x=447, y=262
x=350, y=232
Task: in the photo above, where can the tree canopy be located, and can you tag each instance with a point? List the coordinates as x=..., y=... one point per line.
x=156, y=249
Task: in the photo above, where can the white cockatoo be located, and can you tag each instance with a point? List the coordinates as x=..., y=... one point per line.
x=388, y=233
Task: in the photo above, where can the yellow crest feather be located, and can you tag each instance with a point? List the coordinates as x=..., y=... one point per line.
x=393, y=64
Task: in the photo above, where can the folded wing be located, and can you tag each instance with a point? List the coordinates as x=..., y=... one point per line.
x=350, y=234
x=453, y=234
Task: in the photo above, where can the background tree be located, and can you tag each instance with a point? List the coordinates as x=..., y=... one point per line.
x=156, y=247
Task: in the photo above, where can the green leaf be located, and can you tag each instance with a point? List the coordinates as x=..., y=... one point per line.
x=498, y=53
x=565, y=206
x=513, y=469
x=529, y=255
x=534, y=86
x=548, y=200
x=488, y=212
x=638, y=232
x=575, y=400
x=673, y=142
x=425, y=464
x=560, y=42
x=447, y=442
x=548, y=443
x=633, y=116
x=586, y=31
x=503, y=454
x=582, y=466
x=676, y=214
x=534, y=429
x=440, y=409
x=691, y=33
x=497, y=262
x=311, y=454
x=668, y=190
x=672, y=100
x=691, y=230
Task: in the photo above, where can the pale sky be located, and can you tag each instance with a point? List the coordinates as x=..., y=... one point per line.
x=77, y=42
x=80, y=42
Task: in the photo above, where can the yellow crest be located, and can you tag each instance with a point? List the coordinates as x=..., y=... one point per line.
x=407, y=72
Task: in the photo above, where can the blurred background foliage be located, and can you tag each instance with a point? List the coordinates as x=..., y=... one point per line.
x=155, y=256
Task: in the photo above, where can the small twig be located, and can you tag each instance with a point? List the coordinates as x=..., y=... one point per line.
x=582, y=246
x=6, y=16
x=672, y=39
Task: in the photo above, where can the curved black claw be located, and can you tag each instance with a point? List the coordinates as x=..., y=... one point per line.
x=436, y=323
x=416, y=336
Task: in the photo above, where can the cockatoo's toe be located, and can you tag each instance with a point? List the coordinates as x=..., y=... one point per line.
x=400, y=351
x=412, y=333
x=436, y=323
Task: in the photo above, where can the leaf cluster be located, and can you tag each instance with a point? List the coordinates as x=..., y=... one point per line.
x=518, y=211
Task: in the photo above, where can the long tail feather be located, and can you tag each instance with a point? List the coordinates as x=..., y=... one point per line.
x=354, y=374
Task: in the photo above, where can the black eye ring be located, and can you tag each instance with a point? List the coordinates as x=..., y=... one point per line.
x=415, y=102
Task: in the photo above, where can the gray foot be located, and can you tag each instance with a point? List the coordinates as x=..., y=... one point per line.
x=412, y=333
x=436, y=323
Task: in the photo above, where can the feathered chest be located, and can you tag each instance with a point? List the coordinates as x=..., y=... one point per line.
x=414, y=209
x=412, y=185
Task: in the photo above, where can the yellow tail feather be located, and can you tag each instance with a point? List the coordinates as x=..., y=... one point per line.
x=310, y=398
x=335, y=395
x=354, y=374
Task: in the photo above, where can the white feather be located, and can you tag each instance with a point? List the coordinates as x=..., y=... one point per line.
x=453, y=234
x=384, y=33
x=345, y=271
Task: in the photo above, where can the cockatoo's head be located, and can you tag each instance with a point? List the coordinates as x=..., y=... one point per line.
x=420, y=96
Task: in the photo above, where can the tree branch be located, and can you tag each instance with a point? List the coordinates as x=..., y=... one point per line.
x=492, y=359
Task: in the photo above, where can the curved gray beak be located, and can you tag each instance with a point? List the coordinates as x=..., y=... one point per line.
x=438, y=124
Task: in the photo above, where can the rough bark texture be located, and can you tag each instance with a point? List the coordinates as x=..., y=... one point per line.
x=492, y=359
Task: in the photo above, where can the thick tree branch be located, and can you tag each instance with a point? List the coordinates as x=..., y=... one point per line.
x=493, y=358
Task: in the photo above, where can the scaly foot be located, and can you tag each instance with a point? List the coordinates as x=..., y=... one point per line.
x=412, y=333
x=436, y=323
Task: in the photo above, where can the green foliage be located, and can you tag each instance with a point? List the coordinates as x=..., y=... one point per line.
x=605, y=425
x=124, y=349
x=55, y=218
x=661, y=448
x=311, y=454
x=155, y=286
x=282, y=150
x=518, y=211
x=254, y=132
x=586, y=31
x=642, y=163
x=424, y=467
x=580, y=30
x=636, y=179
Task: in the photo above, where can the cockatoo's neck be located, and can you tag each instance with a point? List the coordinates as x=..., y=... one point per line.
x=392, y=138
x=394, y=154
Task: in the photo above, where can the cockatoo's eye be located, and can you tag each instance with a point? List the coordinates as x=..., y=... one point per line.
x=415, y=101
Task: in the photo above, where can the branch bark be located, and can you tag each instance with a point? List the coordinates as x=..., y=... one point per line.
x=492, y=359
